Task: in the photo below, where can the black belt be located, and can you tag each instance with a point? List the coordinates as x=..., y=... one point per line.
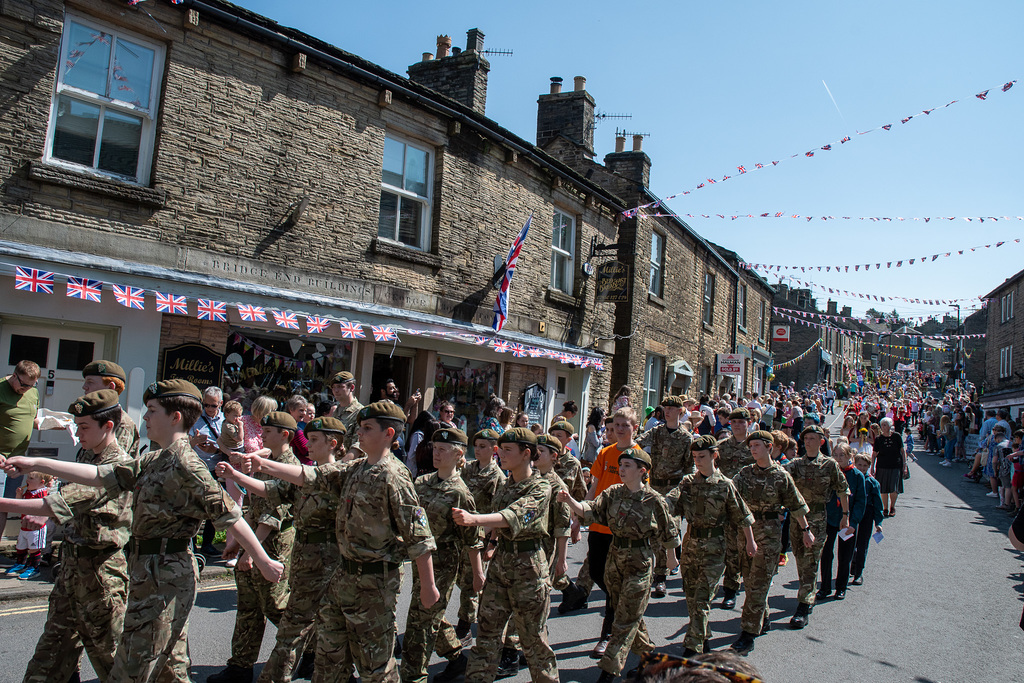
x=381, y=567
x=162, y=546
x=324, y=536
x=285, y=525
x=519, y=546
x=771, y=515
x=665, y=482
x=620, y=542
x=712, y=532
x=816, y=507
x=83, y=551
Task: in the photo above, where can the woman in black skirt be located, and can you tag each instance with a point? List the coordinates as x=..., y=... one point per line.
x=890, y=459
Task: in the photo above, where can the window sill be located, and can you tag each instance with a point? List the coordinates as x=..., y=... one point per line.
x=656, y=300
x=709, y=328
x=742, y=329
x=404, y=253
x=560, y=298
x=108, y=187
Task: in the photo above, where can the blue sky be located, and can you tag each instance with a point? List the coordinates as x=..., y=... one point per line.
x=718, y=85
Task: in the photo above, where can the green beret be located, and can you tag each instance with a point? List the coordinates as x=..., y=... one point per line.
x=172, y=387
x=280, y=419
x=550, y=441
x=93, y=402
x=704, y=443
x=488, y=434
x=564, y=426
x=104, y=368
x=638, y=454
x=740, y=414
x=382, y=410
x=761, y=435
x=331, y=425
x=520, y=435
x=450, y=435
x=812, y=429
x=343, y=377
x=672, y=401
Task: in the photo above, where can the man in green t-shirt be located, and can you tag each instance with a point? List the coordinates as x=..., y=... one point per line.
x=19, y=401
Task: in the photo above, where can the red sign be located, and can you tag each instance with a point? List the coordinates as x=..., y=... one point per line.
x=780, y=333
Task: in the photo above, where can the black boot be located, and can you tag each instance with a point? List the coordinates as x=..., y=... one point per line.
x=728, y=598
x=462, y=629
x=801, y=617
x=398, y=648
x=744, y=644
x=305, y=669
x=75, y=677
x=232, y=674
x=456, y=668
x=509, y=665
x=606, y=677
x=573, y=598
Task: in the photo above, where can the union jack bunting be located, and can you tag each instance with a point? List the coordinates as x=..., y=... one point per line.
x=501, y=346
x=83, y=288
x=351, y=330
x=315, y=324
x=383, y=333
x=518, y=350
x=252, y=313
x=209, y=309
x=169, y=303
x=130, y=297
x=535, y=352
x=32, y=280
x=597, y=363
x=286, y=320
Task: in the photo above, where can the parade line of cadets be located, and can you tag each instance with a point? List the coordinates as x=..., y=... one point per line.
x=320, y=546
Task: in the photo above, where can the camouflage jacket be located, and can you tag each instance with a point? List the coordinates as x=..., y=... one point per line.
x=91, y=517
x=438, y=497
x=670, y=454
x=633, y=515
x=524, y=506
x=559, y=515
x=767, y=491
x=127, y=434
x=483, y=483
x=348, y=418
x=272, y=513
x=311, y=509
x=733, y=456
x=817, y=478
x=709, y=502
x=570, y=471
x=174, y=492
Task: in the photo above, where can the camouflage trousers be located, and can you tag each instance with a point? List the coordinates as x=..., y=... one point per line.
x=258, y=601
x=808, y=559
x=517, y=587
x=628, y=575
x=735, y=552
x=356, y=625
x=703, y=565
x=154, y=640
x=759, y=572
x=311, y=568
x=660, y=554
x=425, y=627
x=86, y=610
x=469, y=599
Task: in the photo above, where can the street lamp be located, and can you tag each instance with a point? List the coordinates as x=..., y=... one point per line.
x=956, y=348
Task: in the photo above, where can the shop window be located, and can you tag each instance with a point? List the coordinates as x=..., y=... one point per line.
x=466, y=384
x=23, y=347
x=268, y=362
x=73, y=354
x=406, y=181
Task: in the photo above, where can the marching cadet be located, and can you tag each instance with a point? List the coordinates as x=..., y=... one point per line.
x=314, y=552
x=734, y=455
x=88, y=597
x=709, y=502
x=567, y=467
x=517, y=578
x=439, y=493
x=483, y=477
x=102, y=374
x=669, y=447
x=817, y=476
x=767, y=489
x=343, y=389
x=379, y=523
x=173, y=493
x=639, y=520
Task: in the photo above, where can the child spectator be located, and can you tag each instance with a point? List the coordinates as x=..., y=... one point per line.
x=31, y=541
x=872, y=519
x=232, y=434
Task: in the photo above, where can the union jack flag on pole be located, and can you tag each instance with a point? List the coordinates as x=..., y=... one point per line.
x=383, y=333
x=251, y=313
x=32, y=280
x=130, y=297
x=209, y=309
x=286, y=320
x=316, y=324
x=351, y=330
x=501, y=304
x=170, y=303
x=84, y=288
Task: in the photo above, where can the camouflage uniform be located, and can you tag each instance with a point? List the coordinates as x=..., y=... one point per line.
x=816, y=479
x=127, y=435
x=570, y=471
x=88, y=597
x=642, y=527
x=671, y=460
x=313, y=560
x=426, y=626
x=711, y=507
x=259, y=599
x=348, y=418
x=733, y=456
x=517, y=583
x=483, y=484
x=379, y=524
x=766, y=492
x=174, y=493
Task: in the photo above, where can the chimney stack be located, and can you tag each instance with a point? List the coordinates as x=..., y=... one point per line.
x=620, y=143
x=567, y=114
x=638, y=143
x=556, y=85
x=444, y=43
x=458, y=74
x=832, y=307
x=847, y=312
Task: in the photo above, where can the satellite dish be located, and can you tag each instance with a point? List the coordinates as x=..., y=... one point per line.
x=234, y=359
x=296, y=344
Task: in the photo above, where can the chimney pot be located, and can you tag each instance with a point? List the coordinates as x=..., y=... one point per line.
x=474, y=40
x=556, y=85
x=444, y=43
x=456, y=51
x=581, y=83
x=638, y=143
x=427, y=56
x=620, y=143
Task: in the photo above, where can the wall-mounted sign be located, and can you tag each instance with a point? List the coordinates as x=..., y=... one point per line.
x=613, y=282
x=729, y=363
x=533, y=402
x=193, y=362
x=780, y=333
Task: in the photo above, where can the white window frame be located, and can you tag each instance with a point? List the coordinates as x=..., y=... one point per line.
x=741, y=305
x=427, y=213
x=708, y=309
x=557, y=253
x=656, y=281
x=1006, y=307
x=762, y=323
x=654, y=375
x=1005, y=361
x=148, y=114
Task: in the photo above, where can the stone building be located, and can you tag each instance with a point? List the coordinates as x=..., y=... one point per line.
x=838, y=354
x=1004, y=366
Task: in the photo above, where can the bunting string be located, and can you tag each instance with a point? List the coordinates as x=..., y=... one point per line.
x=876, y=297
x=844, y=318
x=744, y=169
x=799, y=358
x=862, y=333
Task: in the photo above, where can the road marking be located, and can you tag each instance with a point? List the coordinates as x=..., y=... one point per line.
x=217, y=587
x=35, y=609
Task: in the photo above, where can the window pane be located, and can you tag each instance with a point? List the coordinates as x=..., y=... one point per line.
x=74, y=355
x=86, y=59
x=409, y=222
x=74, y=137
x=122, y=137
x=394, y=159
x=133, y=73
x=558, y=280
x=23, y=347
x=388, y=215
x=416, y=171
